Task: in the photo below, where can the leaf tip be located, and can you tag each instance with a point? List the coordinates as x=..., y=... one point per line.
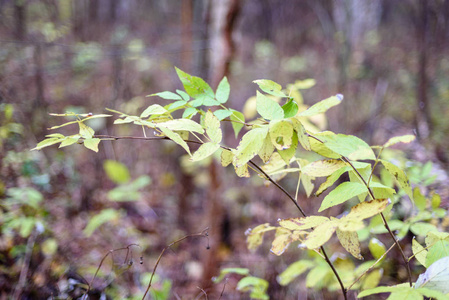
x=339, y=97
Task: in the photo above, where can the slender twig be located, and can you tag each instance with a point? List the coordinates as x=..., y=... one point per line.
x=26, y=264
x=370, y=192
x=224, y=286
x=110, y=252
x=203, y=233
x=370, y=268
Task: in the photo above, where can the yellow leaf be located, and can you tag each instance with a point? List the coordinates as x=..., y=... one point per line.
x=255, y=236
x=322, y=168
x=350, y=241
x=320, y=235
x=303, y=223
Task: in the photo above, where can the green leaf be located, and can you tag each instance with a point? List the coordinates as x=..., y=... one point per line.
x=419, y=252
x=238, y=120
x=205, y=150
x=46, y=143
x=106, y=215
x=372, y=279
x=377, y=248
x=193, y=85
x=257, y=286
x=342, y=193
x=281, y=133
x=293, y=271
x=400, y=177
x=167, y=95
x=316, y=277
x=321, y=148
x=223, y=90
x=433, y=294
x=331, y=179
x=436, y=276
x=439, y=246
x=302, y=134
x=268, y=108
x=175, y=138
x=85, y=131
x=130, y=191
x=322, y=106
x=222, y=114
x=399, y=139
x=184, y=95
x=92, y=144
x=290, y=108
x=213, y=129
x=226, y=271
x=270, y=87
x=189, y=112
x=70, y=140
x=435, y=201
x=402, y=290
x=250, y=145
x=154, y=109
x=323, y=168
x=116, y=171
x=350, y=146
x=350, y=241
x=181, y=125
x=176, y=104
x=422, y=229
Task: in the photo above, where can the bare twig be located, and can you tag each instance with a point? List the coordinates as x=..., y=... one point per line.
x=26, y=264
x=203, y=233
x=370, y=268
x=110, y=252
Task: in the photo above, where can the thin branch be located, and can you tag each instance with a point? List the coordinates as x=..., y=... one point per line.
x=370, y=268
x=110, y=252
x=203, y=233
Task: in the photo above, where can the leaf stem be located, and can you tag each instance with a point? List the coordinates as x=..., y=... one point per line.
x=370, y=268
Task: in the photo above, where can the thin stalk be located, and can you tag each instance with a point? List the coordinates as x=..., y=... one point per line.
x=202, y=233
x=370, y=268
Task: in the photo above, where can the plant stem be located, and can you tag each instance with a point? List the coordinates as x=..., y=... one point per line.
x=202, y=233
x=370, y=268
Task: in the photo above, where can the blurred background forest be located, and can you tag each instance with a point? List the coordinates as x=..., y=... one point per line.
x=390, y=59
